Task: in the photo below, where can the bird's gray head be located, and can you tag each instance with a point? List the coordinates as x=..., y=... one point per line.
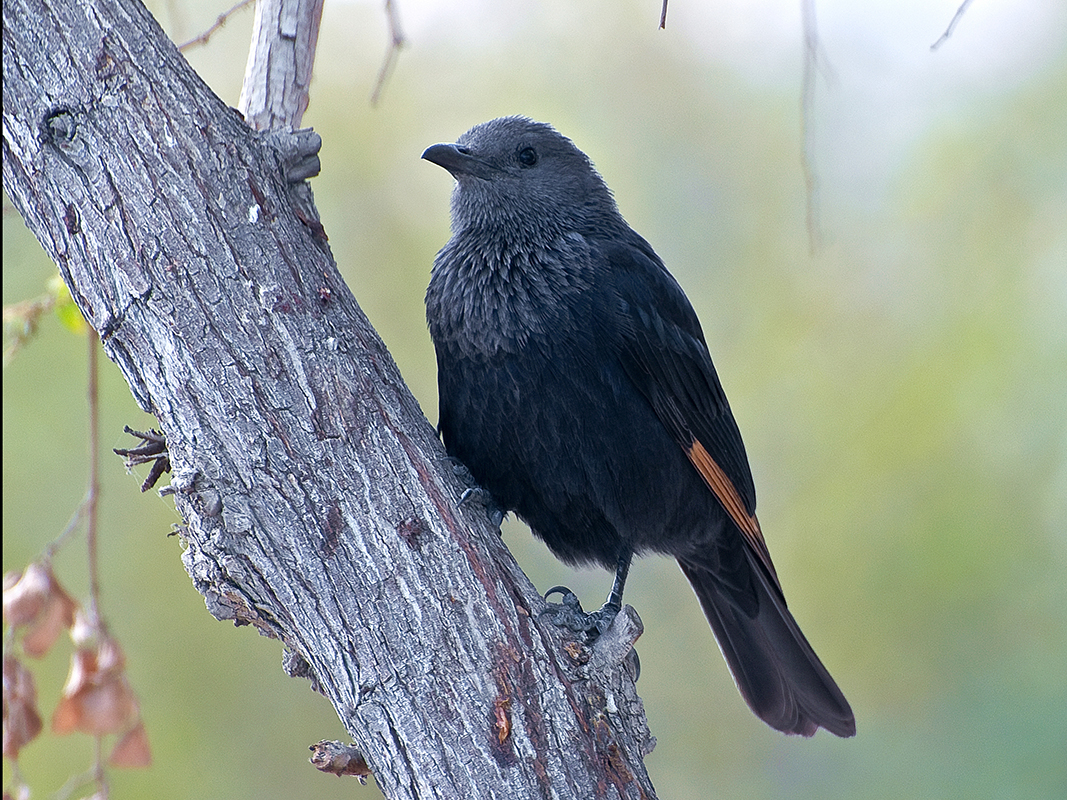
x=523, y=175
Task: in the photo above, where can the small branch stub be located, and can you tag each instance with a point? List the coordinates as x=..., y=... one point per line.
x=339, y=759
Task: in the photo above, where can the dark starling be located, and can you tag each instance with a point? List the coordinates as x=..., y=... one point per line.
x=576, y=386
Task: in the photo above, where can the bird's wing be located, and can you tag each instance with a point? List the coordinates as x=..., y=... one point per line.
x=664, y=354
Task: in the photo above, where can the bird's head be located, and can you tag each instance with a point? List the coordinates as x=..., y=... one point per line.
x=513, y=171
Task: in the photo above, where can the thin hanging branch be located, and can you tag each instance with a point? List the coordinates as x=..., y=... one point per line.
x=813, y=60
x=92, y=494
x=220, y=21
x=952, y=25
x=396, y=41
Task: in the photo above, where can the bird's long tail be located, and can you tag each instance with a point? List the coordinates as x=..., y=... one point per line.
x=774, y=667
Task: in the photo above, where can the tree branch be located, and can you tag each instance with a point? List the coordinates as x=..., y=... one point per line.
x=218, y=24
x=280, y=61
x=318, y=502
x=951, y=25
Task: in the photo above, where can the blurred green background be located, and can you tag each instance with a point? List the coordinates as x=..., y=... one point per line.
x=902, y=390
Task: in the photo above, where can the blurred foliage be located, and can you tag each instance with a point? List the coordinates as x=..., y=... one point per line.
x=902, y=392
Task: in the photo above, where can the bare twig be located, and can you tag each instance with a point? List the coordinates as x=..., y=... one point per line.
x=952, y=25
x=103, y=790
x=219, y=22
x=92, y=495
x=663, y=16
x=21, y=321
x=72, y=525
x=93, y=490
x=86, y=510
x=74, y=783
x=813, y=59
x=396, y=41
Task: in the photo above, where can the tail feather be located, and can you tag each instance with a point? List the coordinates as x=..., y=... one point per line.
x=774, y=667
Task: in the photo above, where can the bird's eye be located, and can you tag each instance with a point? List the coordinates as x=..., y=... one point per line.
x=527, y=156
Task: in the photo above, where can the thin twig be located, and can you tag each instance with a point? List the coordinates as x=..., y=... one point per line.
x=222, y=19
x=100, y=775
x=663, y=16
x=72, y=525
x=396, y=41
x=74, y=783
x=952, y=25
x=807, y=101
x=86, y=510
x=93, y=490
x=21, y=321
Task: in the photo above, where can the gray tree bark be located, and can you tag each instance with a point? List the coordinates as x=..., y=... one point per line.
x=319, y=505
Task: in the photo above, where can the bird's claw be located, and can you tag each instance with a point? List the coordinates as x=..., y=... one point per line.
x=476, y=494
x=568, y=613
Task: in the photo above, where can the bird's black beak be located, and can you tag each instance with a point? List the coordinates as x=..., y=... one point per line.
x=458, y=160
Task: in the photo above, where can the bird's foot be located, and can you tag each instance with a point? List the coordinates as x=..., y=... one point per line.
x=569, y=614
x=476, y=494
x=616, y=641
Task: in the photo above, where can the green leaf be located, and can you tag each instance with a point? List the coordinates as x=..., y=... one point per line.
x=66, y=310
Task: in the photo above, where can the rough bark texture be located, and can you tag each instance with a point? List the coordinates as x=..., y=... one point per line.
x=318, y=502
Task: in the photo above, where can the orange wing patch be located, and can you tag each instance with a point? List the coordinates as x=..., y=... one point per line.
x=727, y=495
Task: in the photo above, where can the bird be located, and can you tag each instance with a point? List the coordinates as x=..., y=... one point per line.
x=576, y=386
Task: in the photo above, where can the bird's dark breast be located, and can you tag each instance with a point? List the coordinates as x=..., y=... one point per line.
x=556, y=431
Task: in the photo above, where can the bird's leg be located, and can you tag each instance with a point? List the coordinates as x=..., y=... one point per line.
x=569, y=613
x=622, y=569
